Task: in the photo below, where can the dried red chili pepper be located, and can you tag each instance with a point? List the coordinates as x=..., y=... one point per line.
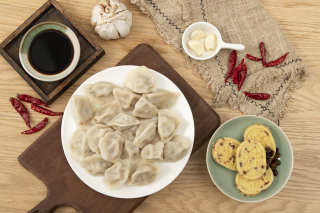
x=235, y=75
x=31, y=100
x=263, y=54
x=252, y=58
x=257, y=96
x=22, y=110
x=232, y=64
x=37, y=128
x=243, y=75
x=278, y=61
x=44, y=111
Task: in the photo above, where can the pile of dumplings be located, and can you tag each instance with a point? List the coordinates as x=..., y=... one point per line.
x=123, y=131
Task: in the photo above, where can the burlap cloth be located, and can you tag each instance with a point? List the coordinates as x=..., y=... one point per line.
x=245, y=22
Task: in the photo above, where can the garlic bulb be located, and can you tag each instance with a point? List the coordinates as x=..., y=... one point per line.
x=111, y=19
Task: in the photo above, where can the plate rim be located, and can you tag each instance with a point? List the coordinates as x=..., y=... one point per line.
x=207, y=159
x=192, y=138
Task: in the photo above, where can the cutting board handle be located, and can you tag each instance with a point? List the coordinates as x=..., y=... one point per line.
x=46, y=206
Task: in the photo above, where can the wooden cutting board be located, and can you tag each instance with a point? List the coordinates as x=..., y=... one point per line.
x=46, y=160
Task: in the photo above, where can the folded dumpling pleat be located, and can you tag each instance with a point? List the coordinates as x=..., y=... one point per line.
x=95, y=164
x=176, y=148
x=123, y=121
x=117, y=175
x=100, y=92
x=145, y=133
x=94, y=134
x=140, y=80
x=163, y=99
x=143, y=173
x=105, y=113
x=82, y=110
x=125, y=97
x=111, y=146
x=168, y=123
x=129, y=134
x=153, y=151
x=130, y=152
x=144, y=109
x=78, y=145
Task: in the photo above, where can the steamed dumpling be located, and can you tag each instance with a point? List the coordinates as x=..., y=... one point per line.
x=123, y=121
x=156, y=138
x=129, y=110
x=117, y=175
x=163, y=99
x=153, y=151
x=78, y=145
x=131, y=152
x=111, y=146
x=125, y=97
x=140, y=80
x=129, y=134
x=95, y=164
x=175, y=149
x=145, y=133
x=105, y=113
x=94, y=134
x=143, y=173
x=168, y=123
x=100, y=92
x=82, y=110
x=144, y=109
x=85, y=126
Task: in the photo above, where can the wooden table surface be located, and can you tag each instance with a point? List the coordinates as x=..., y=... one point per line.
x=193, y=190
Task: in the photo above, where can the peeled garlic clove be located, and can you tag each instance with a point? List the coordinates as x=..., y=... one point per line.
x=197, y=46
x=197, y=34
x=210, y=42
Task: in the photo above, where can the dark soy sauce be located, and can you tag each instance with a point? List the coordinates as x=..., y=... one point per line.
x=50, y=52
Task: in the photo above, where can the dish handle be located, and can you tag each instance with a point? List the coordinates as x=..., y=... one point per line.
x=239, y=47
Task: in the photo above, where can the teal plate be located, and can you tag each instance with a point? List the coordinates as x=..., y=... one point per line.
x=225, y=178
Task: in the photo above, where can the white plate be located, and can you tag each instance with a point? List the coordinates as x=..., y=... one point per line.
x=169, y=171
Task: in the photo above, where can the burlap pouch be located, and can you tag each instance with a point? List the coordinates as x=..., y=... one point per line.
x=245, y=22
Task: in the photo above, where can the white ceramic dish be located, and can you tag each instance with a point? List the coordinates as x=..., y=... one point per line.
x=169, y=170
x=208, y=28
x=31, y=33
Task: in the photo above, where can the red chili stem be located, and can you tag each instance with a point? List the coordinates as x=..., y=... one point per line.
x=37, y=128
x=257, y=96
x=278, y=61
x=243, y=75
x=263, y=54
x=235, y=75
x=232, y=64
x=252, y=58
x=44, y=111
x=22, y=110
x=31, y=100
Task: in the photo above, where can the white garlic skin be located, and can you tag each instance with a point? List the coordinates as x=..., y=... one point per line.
x=111, y=19
x=197, y=46
x=197, y=34
x=210, y=42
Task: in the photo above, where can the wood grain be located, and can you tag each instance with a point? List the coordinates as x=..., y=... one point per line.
x=192, y=191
